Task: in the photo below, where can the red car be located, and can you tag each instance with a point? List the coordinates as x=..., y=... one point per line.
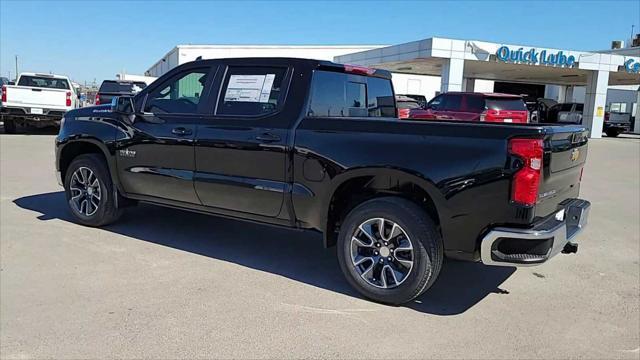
x=465, y=106
x=405, y=104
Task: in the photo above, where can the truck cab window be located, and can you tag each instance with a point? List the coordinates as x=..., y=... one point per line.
x=380, y=98
x=356, y=99
x=252, y=91
x=336, y=94
x=179, y=95
x=43, y=82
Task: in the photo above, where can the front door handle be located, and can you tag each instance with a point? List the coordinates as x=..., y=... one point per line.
x=181, y=131
x=268, y=137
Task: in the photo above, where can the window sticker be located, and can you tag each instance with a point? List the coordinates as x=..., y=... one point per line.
x=249, y=88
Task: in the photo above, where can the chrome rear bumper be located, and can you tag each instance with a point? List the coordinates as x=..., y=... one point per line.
x=504, y=246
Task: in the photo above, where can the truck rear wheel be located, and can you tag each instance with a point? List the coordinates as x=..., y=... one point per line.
x=613, y=132
x=90, y=191
x=9, y=126
x=390, y=250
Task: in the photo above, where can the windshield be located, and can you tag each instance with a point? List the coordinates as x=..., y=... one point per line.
x=407, y=105
x=43, y=82
x=505, y=104
x=122, y=87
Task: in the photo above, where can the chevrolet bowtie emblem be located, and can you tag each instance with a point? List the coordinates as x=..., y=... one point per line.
x=575, y=154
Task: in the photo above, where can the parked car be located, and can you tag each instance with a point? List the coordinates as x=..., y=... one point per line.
x=467, y=106
x=112, y=88
x=37, y=100
x=571, y=113
x=3, y=81
x=405, y=104
x=421, y=99
x=315, y=145
x=539, y=109
x=616, y=123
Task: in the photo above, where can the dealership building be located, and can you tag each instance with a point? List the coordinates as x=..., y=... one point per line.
x=606, y=80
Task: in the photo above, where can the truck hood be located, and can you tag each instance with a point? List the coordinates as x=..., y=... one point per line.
x=91, y=111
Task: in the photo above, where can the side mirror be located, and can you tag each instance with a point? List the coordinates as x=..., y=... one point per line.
x=12, y=82
x=122, y=105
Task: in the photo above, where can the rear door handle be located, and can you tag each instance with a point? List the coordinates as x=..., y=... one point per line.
x=180, y=131
x=268, y=137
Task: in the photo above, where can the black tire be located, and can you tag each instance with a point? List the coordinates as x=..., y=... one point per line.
x=9, y=126
x=106, y=210
x=612, y=133
x=420, y=230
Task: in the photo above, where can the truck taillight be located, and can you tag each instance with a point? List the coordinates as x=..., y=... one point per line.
x=526, y=180
x=97, y=100
x=4, y=93
x=68, y=98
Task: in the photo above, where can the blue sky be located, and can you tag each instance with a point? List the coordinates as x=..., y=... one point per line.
x=88, y=40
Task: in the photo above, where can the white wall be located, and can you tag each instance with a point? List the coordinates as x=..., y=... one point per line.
x=165, y=64
x=186, y=53
x=146, y=79
x=483, y=86
x=411, y=84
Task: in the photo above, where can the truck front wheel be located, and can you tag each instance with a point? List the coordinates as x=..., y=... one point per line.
x=390, y=250
x=90, y=191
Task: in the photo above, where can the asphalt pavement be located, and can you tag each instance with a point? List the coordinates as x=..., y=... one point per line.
x=164, y=283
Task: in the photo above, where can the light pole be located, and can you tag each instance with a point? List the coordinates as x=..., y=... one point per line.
x=16, y=67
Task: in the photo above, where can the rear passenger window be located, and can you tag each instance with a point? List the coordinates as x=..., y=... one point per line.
x=452, y=102
x=474, y=103
x=336, y=94
x=252, y=91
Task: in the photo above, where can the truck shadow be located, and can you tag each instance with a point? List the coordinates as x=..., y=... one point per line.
x=295, y=255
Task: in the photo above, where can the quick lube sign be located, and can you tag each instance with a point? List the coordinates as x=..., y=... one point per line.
x=535, y=57
x=632, y=66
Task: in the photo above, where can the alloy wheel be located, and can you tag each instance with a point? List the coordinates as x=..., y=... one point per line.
x=86, y=192
x=382, y=253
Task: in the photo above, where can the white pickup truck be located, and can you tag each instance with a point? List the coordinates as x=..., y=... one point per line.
x=37, y=100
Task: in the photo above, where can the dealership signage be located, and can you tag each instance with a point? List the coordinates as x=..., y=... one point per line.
x=632, y=66
x=535, y=57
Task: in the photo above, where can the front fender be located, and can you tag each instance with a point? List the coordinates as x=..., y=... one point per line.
x=99, y=133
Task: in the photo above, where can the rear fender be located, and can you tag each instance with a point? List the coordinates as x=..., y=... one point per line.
x=385, y=179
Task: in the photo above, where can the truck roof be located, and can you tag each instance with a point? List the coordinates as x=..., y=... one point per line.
x=487, y=94
x=53, y=76
x=324, y=64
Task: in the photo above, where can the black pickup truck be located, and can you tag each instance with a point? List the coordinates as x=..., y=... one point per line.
x=316, y=145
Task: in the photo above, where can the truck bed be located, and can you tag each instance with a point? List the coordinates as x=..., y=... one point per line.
x=463, y=165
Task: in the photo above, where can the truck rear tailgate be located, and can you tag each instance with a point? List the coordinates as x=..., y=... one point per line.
x=35, y=97
x=564, y=157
